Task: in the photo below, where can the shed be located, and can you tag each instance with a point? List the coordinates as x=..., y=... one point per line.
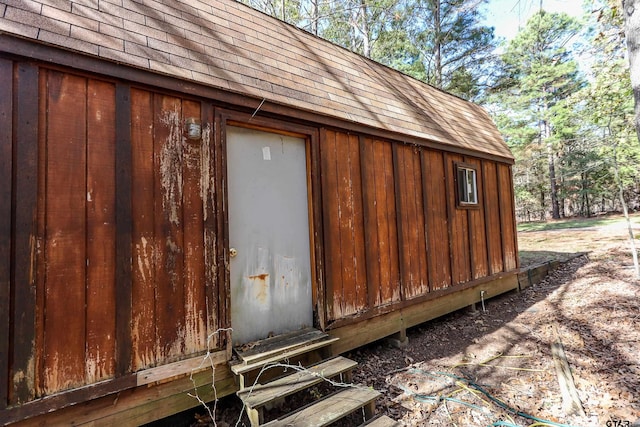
x=172, y=170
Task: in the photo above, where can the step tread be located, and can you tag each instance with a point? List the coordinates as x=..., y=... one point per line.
x=381, y=421
x=298, y=381
x=264, y=348
x=329, y=409
x=242, y=368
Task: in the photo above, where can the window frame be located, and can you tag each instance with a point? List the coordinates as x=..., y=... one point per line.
x=460, y=203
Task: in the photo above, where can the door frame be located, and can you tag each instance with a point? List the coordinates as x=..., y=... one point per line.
x=310, y=135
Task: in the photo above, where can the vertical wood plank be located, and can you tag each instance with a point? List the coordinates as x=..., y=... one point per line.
x=372, y=252
x=477, y=231
x=168, y=156
x=6, y=172
x=213, y=231
x=194, y=286
x=437, y=220
x=487, y=219
x=143, y=309
x=346, y=223
x=411, y=211
x=318, y=232
x=492, y=209
x=123, y=229
x=224, y=281
x=514, y=221
x=41, y=231
x=65, y=248
x=23, y=263
x=331, y=226
x=398, y=176
x=507, y=217
x=359, y=258
x=383, y=275
x=101, y=231
x=449, y=188
x=387, y=222
x=424, y=183
x=459, y=228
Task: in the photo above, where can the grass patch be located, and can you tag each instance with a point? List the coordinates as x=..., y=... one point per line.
x=562, y=224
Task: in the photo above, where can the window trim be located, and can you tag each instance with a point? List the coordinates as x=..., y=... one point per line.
x=460, y=203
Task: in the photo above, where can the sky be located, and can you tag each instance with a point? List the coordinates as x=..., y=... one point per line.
x=506, y=16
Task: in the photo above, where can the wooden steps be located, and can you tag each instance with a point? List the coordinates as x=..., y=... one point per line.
x=331, y=409
x=346, y=400
x=270, y=347
x=262, y=394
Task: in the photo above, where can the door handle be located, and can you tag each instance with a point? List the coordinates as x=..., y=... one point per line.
x=233, y=252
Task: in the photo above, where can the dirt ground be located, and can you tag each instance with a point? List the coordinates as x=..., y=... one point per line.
x=495, y=367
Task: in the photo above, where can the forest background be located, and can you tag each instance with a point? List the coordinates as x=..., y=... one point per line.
x=559, y=91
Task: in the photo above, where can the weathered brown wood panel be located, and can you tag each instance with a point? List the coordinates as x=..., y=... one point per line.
x=65, y=248
x=6, y=172
x=194, y=270
x=461, y=256
x=381, y=235
x=492, y=216
x=169, y=234
x=214, y=229
x=434, y=182
x=510, y=250
x=411, y=222
x=344, y=222
x=175, y=300
x=143, y=310
x=124, y=226
x=332, y=261
x=101, y=231
x=477, y=230
x=22, y=370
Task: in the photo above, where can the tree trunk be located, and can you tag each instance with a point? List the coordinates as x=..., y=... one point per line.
x=438, y=44
x=553, y=184
x=632, y=34
x=632, y=240
x=366, y=42
x=315, y=12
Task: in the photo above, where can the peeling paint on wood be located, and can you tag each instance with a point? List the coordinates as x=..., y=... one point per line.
x=207, y=175
x=171, y=156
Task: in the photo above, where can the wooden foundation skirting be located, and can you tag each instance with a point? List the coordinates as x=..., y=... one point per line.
x=375, y=328
x=134, y=406
x=537, y=273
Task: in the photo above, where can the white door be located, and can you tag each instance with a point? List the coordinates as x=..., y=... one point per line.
x=268, y=234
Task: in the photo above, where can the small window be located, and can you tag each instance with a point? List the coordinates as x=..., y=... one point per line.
x=467, y=185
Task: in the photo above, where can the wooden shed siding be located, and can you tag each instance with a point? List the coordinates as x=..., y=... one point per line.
x=435, y=188
x=74, y=303
x=417, y=240
x=460, y=248
x=477, y=229
x=344, y=224
x=411, y=222
x=25, y=199
x=381, y=233
x=492, y=209
x=143, y=329
x=509, y=246
x=6, y=172
x=169, y=282
x=65, y=228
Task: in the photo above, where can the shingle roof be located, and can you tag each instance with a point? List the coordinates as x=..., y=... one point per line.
x=228, y=45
